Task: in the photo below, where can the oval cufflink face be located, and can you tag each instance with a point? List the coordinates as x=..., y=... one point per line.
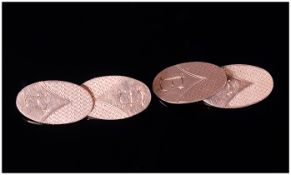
x=117, y=97
x=246, y=85
x=54, y=102
x=189, y=82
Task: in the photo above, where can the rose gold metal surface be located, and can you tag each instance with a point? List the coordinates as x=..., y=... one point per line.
x=117, y=97
x=54, y=102
x=189, y=82
x=246, y=85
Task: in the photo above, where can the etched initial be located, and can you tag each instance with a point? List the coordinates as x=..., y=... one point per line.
x=176, y=82
x=41, y=103
x=125, y=97
x=142, y=96
x=131, y=97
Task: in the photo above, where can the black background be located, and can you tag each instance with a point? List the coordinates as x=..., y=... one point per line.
x=76, y=42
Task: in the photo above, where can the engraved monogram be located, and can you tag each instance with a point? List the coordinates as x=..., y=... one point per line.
x=178, y=81
x=131, y=97
x=41, y=103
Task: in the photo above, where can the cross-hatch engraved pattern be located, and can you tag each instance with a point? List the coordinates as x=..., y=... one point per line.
x=194, y=77
x=40, y=103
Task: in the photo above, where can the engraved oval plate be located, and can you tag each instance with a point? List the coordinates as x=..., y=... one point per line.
x=189, y=82
x=246, y=85
x=117, y=97
x=54, y=102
